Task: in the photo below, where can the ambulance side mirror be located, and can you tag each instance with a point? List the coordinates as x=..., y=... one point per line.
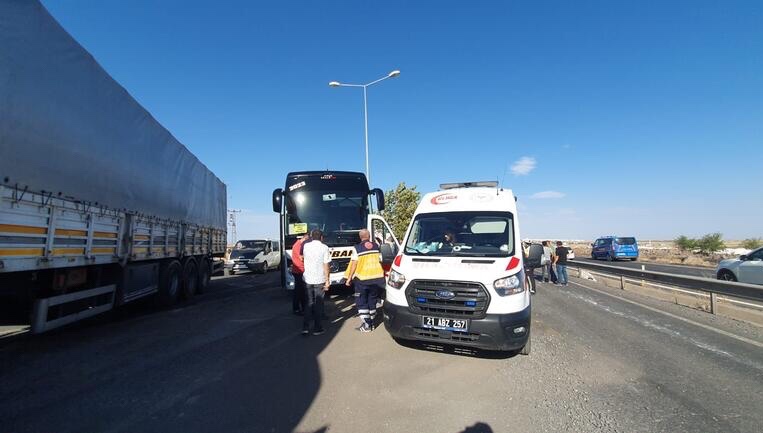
x=534, y=256
x=388, y=255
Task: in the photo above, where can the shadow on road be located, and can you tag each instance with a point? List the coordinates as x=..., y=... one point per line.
x=232, y=361
x=479, y=427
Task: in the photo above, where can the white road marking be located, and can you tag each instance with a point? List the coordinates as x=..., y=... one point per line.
x=683, y=319
x=669, y=331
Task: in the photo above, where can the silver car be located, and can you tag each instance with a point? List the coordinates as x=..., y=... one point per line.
x=748, y=268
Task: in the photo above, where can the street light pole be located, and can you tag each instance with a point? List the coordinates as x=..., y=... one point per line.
x=392, y=74
x=365, y=123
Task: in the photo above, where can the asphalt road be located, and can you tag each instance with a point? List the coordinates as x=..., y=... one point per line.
x=233, y=361
x=693, y=271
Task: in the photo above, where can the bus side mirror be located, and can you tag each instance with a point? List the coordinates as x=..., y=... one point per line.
x=379, y=198
x=387, y=253
x=277, y=198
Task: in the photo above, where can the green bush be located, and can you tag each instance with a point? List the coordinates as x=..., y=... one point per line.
x=710, y=243
x=685, y=244
x=752, y=243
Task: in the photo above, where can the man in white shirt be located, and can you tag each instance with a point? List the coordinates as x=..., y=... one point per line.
x=316, y=257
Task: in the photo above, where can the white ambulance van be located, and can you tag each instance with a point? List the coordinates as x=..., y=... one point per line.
x=459, y=277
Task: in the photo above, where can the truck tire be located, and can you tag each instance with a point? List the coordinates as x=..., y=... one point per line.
x=205, y=275
x=190, y=279
x=264, y=268
x=170, y=283
x=528, y=346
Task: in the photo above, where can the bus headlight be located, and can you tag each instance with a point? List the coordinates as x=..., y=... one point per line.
x=508, y=286
x=396, y=279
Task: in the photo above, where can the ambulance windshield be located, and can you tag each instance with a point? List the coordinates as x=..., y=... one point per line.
x=474, y=234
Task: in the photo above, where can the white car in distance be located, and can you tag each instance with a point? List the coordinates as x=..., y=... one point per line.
x=748, y=268
x=570, y=253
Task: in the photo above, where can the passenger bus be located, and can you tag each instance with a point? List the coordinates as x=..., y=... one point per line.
x=340, y=204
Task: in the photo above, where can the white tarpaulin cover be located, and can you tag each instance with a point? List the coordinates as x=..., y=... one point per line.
x=67, y=127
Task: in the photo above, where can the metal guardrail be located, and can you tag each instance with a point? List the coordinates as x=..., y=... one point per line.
x=751, y=292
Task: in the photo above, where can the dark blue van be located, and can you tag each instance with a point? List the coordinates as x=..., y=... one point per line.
x=615, y=248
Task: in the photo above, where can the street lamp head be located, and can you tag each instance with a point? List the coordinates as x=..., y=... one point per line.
x=394, y=73
x=334, y=84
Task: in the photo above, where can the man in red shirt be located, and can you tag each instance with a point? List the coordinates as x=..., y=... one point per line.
x=297, y=269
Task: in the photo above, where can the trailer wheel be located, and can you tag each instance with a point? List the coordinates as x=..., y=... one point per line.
x=205, y=274
x=190, y=278
x=169, y=283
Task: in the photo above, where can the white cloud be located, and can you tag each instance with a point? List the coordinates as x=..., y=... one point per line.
x=523, y=166
x=547, y=194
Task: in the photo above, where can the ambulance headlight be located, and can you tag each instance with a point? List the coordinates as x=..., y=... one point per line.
x=396, y=279
x=508, y=286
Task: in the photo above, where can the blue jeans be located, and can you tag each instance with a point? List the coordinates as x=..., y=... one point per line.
x=561, y=274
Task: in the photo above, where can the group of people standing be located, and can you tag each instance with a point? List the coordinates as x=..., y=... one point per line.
x=551, y=260
x=311, y=269
x=555, y=268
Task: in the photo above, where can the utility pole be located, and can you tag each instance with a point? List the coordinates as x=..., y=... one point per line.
x=232, y=223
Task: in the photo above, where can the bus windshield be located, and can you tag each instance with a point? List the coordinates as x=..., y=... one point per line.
x=338, y=206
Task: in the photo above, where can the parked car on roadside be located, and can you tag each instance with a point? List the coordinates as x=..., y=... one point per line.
x=615, y=248
x=255, y=255
x=748, y=268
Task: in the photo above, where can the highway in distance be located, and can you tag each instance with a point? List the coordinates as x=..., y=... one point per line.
x=692, y=271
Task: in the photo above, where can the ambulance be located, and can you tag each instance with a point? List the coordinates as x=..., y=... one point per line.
x=459, y=277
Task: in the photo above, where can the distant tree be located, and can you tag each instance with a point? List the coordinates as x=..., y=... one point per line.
x=685, y=244
x=711, y=243
x=752, y=243
x=400, y=205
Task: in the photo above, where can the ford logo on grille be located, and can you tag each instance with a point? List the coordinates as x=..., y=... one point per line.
x=445, y=294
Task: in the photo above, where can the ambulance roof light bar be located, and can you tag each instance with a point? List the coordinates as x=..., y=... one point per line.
x=483, y=184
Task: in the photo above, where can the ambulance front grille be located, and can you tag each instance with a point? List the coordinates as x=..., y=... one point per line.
x=469, y=299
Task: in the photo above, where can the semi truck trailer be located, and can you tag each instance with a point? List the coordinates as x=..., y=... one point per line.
x=99, y=204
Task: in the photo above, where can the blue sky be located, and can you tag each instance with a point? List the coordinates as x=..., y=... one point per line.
x=634, y=118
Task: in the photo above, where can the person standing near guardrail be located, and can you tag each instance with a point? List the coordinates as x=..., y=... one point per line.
x=367, y=274
x=560, y=259
x=548, y=263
